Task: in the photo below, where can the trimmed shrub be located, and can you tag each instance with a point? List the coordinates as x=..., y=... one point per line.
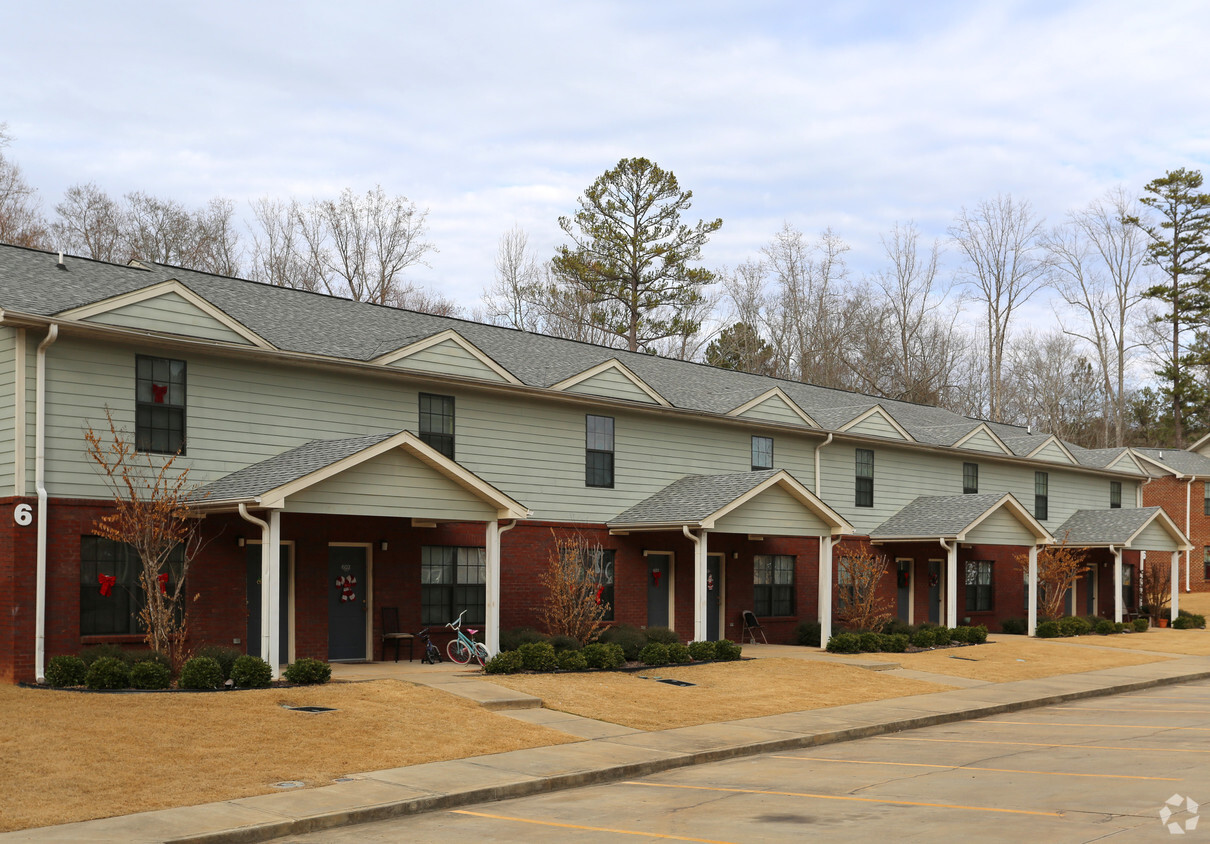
x=870, y=642
x=844, y=643
x=701, y=651
x=960, y=635
x=308, y=672
x=630, y=638
x=604, y=655
x=807, y=633
x=1141, y=625
x=896, y=643
x=251, y=672
x=1186, y=620
x=108, y=672
x=678, y=654
x=1049, y=629
x=225, y=657
x=654, y=653
x=538, y=656
x=506, y=662
x=1073, y=625
x=133, y=658
x=150, y=674
x=572, y=661
x=201, y=672
x=94, y=652
x=941, y=636
x=663, y=635
x=923, y=638
x=1104, y=627
x=64, y=671
x=977, y=634
x=1014, y=626
x=1119, y=627
x=727, y=651
x=895, y=625
x=564, y=643
x=510, y=640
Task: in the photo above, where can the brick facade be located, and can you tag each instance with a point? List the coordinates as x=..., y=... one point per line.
x=1169, y=493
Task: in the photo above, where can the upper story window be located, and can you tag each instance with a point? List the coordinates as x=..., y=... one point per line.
x=1115, y=495
x=159, y=405
x=970, y=478
x=1041, y=496
x=762, y=453
x=437, y=423
x=865, y=478
x=598, y=458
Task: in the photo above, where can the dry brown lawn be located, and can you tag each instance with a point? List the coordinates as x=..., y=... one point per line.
x=1198, y=602
x=724, y=691
x=68, y=756
x=1168, y=641
x=1018, y=658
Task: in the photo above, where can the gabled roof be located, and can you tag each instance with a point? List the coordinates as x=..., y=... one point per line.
x=953, y=517
x=868, y=418
x=701, y=500
x=773, y=393
x=1052, y=442
x=447, y=336
x=269, y=483
x=1201, y=444
x=1102, y=528
x=1175, y=462
x=985, y=429
x=616, y=366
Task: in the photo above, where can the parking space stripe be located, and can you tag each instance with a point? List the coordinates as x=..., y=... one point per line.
x=1044, y=744
x=610, y=830
x=847, y=797
x=1098, y=726
x=975, y=768
x=1123, y=709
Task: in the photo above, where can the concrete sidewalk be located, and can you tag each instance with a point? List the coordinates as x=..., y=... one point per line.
x=608, y=753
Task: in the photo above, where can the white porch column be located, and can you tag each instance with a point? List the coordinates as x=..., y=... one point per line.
x=1032, y=585
x=700, y=597
x=951, y=585
x=1175, y=584
x=491, y=621
x=1117, y=584
x=825, y=590
x=271, y=592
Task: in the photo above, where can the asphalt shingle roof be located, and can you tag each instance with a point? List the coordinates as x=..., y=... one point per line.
x=934, y=516
x=1102, y=527
x=1185, y=462
x=692, y=498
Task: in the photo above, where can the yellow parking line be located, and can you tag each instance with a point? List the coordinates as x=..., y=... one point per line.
x=1121, y=709
x=1045, y=744
x=587, y=828
x=1119, y=726
x=975, y=768
x=847, y=797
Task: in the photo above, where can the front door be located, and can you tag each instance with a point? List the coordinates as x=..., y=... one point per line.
x=935, y=591
x=1090, y=591
x=714, y=595
x=347, y=602
x=659, y=575
x=903, y=581
x=253, y=553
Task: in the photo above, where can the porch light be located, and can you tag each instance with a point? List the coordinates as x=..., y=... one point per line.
x=239, y=540
x=382, y=545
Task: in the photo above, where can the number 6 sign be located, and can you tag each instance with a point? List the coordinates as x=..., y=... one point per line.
x=23, y=514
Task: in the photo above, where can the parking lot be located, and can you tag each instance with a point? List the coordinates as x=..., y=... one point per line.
x=1099, y=769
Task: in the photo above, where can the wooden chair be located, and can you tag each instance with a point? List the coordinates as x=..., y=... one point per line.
x=392, y=633
x=752, y=627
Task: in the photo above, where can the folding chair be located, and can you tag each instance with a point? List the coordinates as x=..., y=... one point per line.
x=752, y=627
x=392, y=633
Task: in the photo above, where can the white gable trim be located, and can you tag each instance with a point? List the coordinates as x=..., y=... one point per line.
x=1008, y=502
x=1128, y=454
x=879, y=411
x=1204, y=442
x=157, y=290
x=1053, y=439
x=982, y=426
x=1168, y=525
x=507, y=508
x=836, y=523
x=441, y=337
x=1150, y=461
x=617, y=365
x=768, y=394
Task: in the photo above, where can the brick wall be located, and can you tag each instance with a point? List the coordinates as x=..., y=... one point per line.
x=1169, y=493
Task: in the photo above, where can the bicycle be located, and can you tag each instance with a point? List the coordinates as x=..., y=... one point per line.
x=432, y=653
x=462, y=648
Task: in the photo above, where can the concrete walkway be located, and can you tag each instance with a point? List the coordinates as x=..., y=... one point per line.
x=608, y=753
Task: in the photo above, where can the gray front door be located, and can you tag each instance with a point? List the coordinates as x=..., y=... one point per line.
x=903, y=579
x=935, y=591
x=714, y=586
x=346, y=603
x=253, y=553
x=659, y=573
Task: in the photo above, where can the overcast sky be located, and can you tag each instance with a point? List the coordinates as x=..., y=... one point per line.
x=852, y=115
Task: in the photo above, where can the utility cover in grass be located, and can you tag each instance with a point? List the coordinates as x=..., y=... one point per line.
x=677, y=683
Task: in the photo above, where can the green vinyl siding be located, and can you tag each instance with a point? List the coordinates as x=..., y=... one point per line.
x=774, y=409
x=1053, y=453
x=172, y=313
x=391, y=484
x=611, y=383
x=448, y=358
x=1154, y=538
x=772, y=513
x=1000, y=528
x=8, y=382
x=876, y=425
x=982, y=441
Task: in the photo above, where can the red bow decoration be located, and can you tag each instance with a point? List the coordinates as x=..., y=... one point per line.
x=107, y=582
x=158, y=392
x=655, y=578
x=163, y=579
x=600, y=592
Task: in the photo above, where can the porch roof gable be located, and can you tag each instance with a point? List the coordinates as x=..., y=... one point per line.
x=1124, y=527
x=937, y=517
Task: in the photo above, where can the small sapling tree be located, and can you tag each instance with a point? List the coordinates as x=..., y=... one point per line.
x=860, y=607
x=1156, y=590
x=1059, y=567
x=573, y=604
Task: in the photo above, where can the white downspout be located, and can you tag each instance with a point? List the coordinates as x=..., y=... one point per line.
x=700, y=598
x=818, y=449
x=267, y=589
x=40, y=482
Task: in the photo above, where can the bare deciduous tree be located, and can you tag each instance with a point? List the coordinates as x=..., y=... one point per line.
x=570, y=606
x=1002, y=267
x=21, y=220
x=859, y=606
x=1053, y=387
x=514, y=298
x=1155, y=589
x=1059, y=567
x=90, y=224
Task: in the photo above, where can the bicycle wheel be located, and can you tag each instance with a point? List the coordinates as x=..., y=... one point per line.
x=434, y=654
x=481, y=653
x=458, y=651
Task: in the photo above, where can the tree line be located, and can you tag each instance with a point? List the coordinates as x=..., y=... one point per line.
x=1130, y=274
